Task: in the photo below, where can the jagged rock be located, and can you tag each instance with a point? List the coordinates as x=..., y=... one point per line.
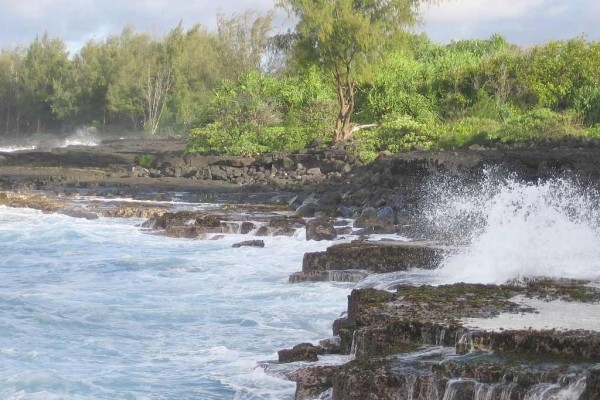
x=592, y=385
x=312, y=381
x=367, y=218
x=83, y=214
x=139, y=172
x=376, y=380
x=345, y=212
x=280, y=226
x=307, y=210
x=377, y=221
x=330, y=345
x=191, y=225
x=377, y=257
x=300, y=352
x=249, y=243
x=386, y=215
x=320, y=229
x=247, y=227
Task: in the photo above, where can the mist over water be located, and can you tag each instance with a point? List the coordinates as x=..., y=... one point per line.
x=515, y=230
x=81, y=137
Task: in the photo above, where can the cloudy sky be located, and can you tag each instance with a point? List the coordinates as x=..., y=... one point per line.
x=522, y=21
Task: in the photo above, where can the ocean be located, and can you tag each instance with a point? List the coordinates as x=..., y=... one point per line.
x=102, y=310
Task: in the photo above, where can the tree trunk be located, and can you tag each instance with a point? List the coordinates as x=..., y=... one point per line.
x=345, y=92
x=156, y=91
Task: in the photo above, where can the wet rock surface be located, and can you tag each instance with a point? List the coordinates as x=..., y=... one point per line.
x=369, y=257
x=249, y=243
x=411, y=344
x=300, y=352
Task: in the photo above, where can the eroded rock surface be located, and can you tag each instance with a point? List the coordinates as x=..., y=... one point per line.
x=411, y=344
x=372, y=257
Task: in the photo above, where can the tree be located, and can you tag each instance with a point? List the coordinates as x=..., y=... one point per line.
x=343, y=37
x=11, y=88
x=243, y=39
x=45, y=69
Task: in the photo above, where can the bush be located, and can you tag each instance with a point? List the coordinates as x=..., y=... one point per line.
x=467, y=131
x=396, y=134
x=537, y=124
x=260, y=113
x=146, y=160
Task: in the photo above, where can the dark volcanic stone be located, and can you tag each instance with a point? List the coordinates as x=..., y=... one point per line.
x=592, y=386
x=247, y=227
x=307, y=210
x=320, y=229
x=377, y=257
x=250, y=243
x=300, y=352
x=312, y=381
x=79, y=214
x=368, y=217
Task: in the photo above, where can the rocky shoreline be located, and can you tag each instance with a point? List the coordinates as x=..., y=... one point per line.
x=404, y=342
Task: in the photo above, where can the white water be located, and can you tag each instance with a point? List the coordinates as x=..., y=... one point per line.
x=516, y=231
x=100, y=310
x=555, y=314
x=81, y=137
x=11, y=148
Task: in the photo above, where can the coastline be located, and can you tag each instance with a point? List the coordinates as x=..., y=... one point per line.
x=387, y=332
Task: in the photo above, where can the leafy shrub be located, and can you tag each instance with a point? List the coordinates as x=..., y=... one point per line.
x=396, y=134
x=467, y=131
x=146, y=160
x=260, y=113
x=537, y=124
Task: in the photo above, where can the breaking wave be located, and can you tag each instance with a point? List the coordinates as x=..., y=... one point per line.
x=516, y=231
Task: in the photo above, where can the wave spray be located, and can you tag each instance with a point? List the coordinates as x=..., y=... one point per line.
x=516, y=231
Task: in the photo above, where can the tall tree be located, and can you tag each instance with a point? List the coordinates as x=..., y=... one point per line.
x=11, y=88
x=343, y=36
x=46, y=67
x=196, y=73
x=243, y=39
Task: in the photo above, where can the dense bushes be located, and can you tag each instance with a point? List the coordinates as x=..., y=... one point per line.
x=259, y=113
x=478, y=91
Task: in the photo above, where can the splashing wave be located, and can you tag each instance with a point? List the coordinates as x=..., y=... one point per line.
x=517, y=230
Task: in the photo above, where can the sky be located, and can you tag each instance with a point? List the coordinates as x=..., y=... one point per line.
x=525, y=22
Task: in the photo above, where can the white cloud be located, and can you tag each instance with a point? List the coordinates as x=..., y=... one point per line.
x=75, y=21
x=479, y=10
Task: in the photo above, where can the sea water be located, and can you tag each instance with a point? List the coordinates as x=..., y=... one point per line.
x=102, y=310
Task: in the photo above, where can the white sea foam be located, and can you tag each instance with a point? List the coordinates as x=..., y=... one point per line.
x=519, y=230
x=116, y=313
x=10, y=149
x=557, y=314
x=82, y=137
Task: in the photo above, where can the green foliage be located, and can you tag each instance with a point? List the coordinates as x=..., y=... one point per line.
x=146, y=160
x=537, y=124
x=396, y=134
x=259, y=113
x=468, y=131
x=127, y=82
x=343, y=37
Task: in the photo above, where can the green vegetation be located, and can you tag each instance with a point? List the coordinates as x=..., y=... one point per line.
x=146, y=160
x=359, y=77
x=130, y=82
